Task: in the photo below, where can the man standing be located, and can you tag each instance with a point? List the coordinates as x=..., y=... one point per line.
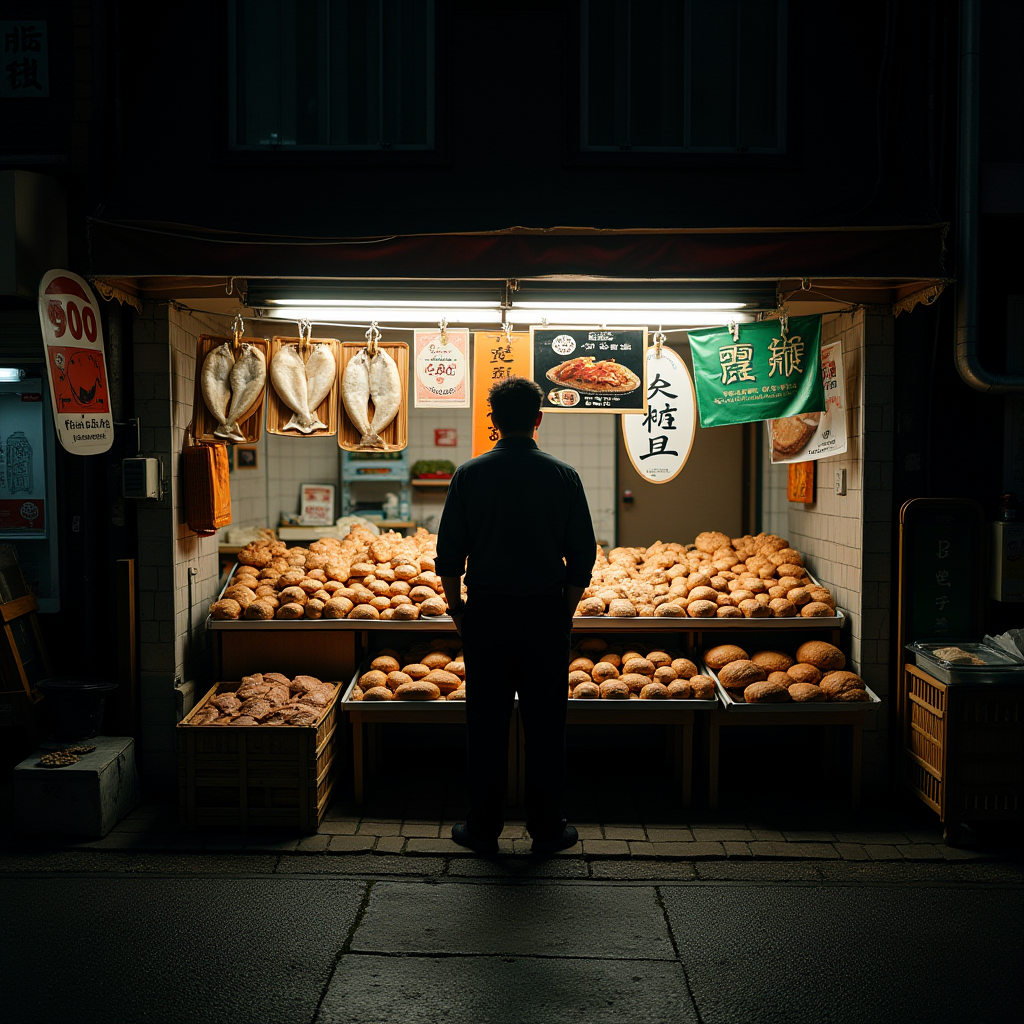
x=513, y=514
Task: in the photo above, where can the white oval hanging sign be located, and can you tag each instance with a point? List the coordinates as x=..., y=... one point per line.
x=73, y=339
x=659, y=441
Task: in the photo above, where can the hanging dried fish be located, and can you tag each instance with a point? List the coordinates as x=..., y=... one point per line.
x=371, y=378
x=216, y=386
x=302, y=386
x=247, y=378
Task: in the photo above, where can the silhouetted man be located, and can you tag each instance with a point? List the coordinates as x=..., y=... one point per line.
x=511, y=516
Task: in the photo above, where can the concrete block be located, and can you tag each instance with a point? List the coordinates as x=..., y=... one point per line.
x=87, y=799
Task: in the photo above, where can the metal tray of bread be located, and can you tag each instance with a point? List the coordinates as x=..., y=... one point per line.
x=996, y=665
x=426, y=707
x=731, y=704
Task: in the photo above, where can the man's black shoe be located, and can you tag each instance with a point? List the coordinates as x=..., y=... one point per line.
x=569, y=837
x=487, y=847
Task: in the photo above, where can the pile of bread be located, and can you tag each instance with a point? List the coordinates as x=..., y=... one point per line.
x=424, y=671
x=637, y=672
x=816, y=673
x=267, y=698
x=752, y=577
x=363, y=576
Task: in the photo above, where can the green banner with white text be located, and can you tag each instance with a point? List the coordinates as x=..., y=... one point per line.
x=765, y=371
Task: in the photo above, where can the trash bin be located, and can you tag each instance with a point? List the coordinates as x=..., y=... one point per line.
x=75, y=706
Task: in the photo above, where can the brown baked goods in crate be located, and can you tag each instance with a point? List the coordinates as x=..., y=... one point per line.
x=750, y=576
x=361, y=576
x=261, y=701
x=599, y=671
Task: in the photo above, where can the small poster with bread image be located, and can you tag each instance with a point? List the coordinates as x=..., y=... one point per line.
x=809, y=436
x=590, y=369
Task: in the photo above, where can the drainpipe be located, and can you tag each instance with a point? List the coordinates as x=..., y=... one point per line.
x=970, y=369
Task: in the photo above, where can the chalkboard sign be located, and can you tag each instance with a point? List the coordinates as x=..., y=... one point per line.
x=941, y=586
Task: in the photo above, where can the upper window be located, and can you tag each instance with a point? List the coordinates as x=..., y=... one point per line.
x=332, y=74
x=683, y=76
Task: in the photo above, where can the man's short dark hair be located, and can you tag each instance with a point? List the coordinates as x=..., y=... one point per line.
x=515, y=402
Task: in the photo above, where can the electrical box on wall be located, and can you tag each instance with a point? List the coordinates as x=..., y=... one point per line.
x=140, y=478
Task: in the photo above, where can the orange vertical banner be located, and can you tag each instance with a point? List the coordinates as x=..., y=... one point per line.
x=496, y=355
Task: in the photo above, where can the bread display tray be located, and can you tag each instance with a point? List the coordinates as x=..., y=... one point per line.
x=1000, y=666
x=613, y=623
x=426, y=707
x=798, y=707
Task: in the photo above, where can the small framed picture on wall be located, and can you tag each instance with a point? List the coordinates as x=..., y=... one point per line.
x=245, y=457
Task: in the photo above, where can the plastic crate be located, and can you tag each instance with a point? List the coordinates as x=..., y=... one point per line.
x=964, y=748
x=263, y=776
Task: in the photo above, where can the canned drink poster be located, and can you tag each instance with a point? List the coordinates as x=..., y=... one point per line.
x=75, y=364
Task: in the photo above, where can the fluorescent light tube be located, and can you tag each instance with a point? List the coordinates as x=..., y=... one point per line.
x=9, y=373
x=419, y=315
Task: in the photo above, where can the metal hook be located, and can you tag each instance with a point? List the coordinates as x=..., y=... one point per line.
x=734, y=330
x=305, y=335
x=237, y=329
x=373, y=336
x=659, y=340
x=805, y=284
x=443, y=325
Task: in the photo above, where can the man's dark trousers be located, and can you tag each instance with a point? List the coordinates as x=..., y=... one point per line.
x=524, y=649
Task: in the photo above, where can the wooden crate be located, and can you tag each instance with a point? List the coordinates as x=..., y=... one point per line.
x=278, y=414
x=396, y=434
x=963, y=750
x=264, y=776
x=203, y=421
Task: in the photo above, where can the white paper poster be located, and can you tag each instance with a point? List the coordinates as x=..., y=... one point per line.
x=75, y=365
x=816, y=435
x=441, y=365
x=659, y=440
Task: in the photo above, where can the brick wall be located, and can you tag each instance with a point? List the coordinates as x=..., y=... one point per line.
x=846, y=539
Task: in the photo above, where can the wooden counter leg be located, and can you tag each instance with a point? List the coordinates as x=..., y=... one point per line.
x=357, y=760
x=856, y=761
x=712, y=762
x=684, y=737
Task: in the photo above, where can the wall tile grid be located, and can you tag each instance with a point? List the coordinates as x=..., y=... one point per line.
x=774, y=504
x=173, y=643
x=847, y=539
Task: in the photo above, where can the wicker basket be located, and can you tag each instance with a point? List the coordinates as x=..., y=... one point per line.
x=263, y=776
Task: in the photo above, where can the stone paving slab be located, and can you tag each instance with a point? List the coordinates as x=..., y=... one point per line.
x=902, y=926
x=360, y=864
x=132, y=956
x=756, y=871
x=548, y=920
x=504, y=990
x=518, y=867
x=643, y=870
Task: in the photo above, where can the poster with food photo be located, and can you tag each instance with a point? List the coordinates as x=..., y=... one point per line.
x=590, y=369
x=815, y=435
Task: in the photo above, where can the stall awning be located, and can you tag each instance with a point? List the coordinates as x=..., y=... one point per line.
x=859, y=261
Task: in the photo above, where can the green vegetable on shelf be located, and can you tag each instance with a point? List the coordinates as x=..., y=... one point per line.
x=433, y=467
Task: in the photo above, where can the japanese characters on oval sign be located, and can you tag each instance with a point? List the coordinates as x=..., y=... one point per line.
x=763, y=371
x=658, y=441
x=75, y=364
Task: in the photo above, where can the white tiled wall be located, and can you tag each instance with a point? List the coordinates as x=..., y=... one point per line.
x=848, y=538
x=774, y=504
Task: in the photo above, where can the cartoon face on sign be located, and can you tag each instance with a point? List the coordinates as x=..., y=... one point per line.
x=79, y=382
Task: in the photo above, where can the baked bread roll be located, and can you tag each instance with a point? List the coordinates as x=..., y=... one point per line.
x=702, y=609
x=720, y=656
x=604, y=670
x=665, y=674
x=421, y=690
x=711, y=541
x=703, y=687
x=407, y=612
x=816, y=610
x=739, y=674
x=669, y=610
x=727, y=611
x=590, y=606
x=592, y=646
x=680, y=689
x=838, y=682
x=801, y=673
x=782, y=609
x=380, y=603
x=293, y=595
x=703, y=594
x=803, y=693
x=621, y=608
x=779, y=679
x=629, y=656
x=654, y=691
x=436, y=659
x=852, y=696
x=755, y=609
x=459, y=694
x=374, y=677
x=766, y=693
x=356, y=694
x=433, y=606
x=399, y=589
x=823, y=656
x=260, y=609
x=364, y=611
x=616, y=689
x=397, y=600
x=396, y=679
x=243, y=595
x=406, y=572
x=581, y=665
x=378, y=693
x=445, y=681
x=577, y=677
x=799, y=596
x=772, y=661
x=823, y=595
x=634, y=681
x=586, y=691
x=225, y=608
x=457, y=668
x=659, y=658
x=612, y=658
x=290, y=611
x=639, y=666
x=417, y=670
x=684, y=668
